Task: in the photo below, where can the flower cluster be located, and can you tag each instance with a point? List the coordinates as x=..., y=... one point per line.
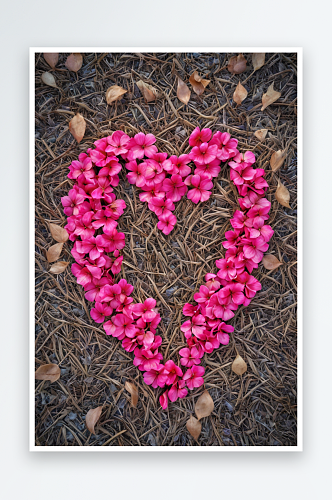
x=93, y=210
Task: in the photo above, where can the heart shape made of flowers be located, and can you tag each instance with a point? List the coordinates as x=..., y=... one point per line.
x=93, y=210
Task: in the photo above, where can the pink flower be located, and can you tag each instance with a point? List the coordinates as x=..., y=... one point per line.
x=254, y=248
x=85, y=274
x=166, y=222
x=226, y=145
x=82, y=167
x=118, y=143
x=159, y=206
x=163, y=400
x=200, y=191
x=157, y=377
x=111, y=241
x=189, y=357
x=204, y=153
x=84, y=227
x=222, y=333
x=198, y=136
x=146, y=359
x=121, y=326
x=154, y=173
x=146, y=310
x=137, y=174
x=102, y=188
x=209, y=170
x=93, y=289
x=115, y=208
x=193, y=377
x=179, y=165
x=71, y=202
x=99, y=312
x=232, y=294
x=161, y=159
x=174, y=372
x=227, y=269
x=174, y=187
x=195, y=326
x=99, y=155
x=91, y=247
x=143, y=146
x=190, y=310
x=203, y=295
x=177, y=390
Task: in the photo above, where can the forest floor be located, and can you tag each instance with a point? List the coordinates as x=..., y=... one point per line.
x=257, y=409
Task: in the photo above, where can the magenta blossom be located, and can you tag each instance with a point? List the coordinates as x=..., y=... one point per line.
x=194, y=377
x=200, y=191
x=174, y=187
x=204, y=153
x=189, y=357
x=143, y=146
x=198, y=136
x=166, y=222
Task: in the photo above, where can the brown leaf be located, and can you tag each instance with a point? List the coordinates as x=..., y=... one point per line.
x=204, y=405
x=49, y=372
x=261, y=134
x=282, y=195
x=74, y=62
x=240, y=94
x=183, y=91
x=92, y=418
x=237, y=64
x=198, y=83
x=54, y=252
x=149, y=93
x=114, y=93
x=258, y=60
x=77, y=126
x=52, y=58
x=58, y=267
x=48, y=79
x=277, y=159
x=132, y=389
x=239, y=366
x=58, y=233
x=270, y=97
x=271, y=262
x=194, y=427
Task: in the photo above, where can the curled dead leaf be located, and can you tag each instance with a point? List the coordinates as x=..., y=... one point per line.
x=237, y=64
x=261, y=134
x=132, y=389
x=258, y=60
x=149, y=93
x=48, y=79
x=49, y=372
x=271, y=262
x=114, y=93
x=270, y=97
x=58, y=233
x=239, y=366
x=277, y=159
x=204, y=405
x=54, y=252
x=198, y=83
x=58, y=267
x=282, y=195
x=92, y=418
x=77, y=126
x=52, y=58
x=194, y=427
x=74, y=62
x=183, y=92
x=240, y=94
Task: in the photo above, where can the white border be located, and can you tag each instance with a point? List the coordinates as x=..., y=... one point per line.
x=32, y=446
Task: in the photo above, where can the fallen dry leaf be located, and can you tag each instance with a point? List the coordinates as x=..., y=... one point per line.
x=52, y=58
x=237, y=64
x=183, y=92
x=277, y=159
x=114, y=93
x=261, y=134
x=149, y=93
x=58, y=267
x=54, y=252
x=74, y=62
x=58, y=233
x=92, y=418
x=77, y=126
x=240, y=94
x=49, y=372
x=204, y=405
x=271, y=262
x=132, y=389
x=198, y=83
x=258, y=60
x=282, y=195
x=270, y=97
x=48, y=79
x=239, y=366
x=194, y=427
